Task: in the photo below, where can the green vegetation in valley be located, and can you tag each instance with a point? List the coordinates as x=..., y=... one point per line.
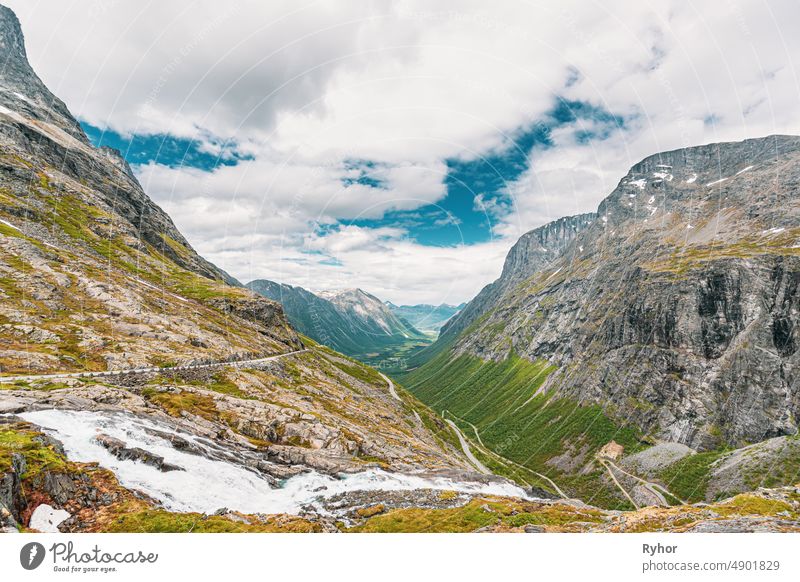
x=500, y=400
x=394, y=357
x=688, y=478
x=479, y=513
x=781, y=469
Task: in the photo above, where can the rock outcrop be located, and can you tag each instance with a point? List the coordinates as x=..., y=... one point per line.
x=530, y=254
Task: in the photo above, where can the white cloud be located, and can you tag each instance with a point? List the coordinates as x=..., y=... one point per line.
x=305, y=87
x=381, y=260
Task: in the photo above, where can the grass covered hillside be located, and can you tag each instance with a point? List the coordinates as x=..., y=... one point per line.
x=516, y=431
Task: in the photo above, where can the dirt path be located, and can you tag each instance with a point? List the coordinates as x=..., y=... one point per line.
x=618, y=484
x=657, y=490
x=219, y=364
x=508, y=462
x=392, y=391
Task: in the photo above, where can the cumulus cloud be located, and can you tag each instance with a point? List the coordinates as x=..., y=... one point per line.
x=304, y=89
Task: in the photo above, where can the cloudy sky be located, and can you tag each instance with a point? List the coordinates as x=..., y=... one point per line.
x=403, y=146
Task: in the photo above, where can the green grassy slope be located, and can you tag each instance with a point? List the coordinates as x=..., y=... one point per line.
x=499, y=399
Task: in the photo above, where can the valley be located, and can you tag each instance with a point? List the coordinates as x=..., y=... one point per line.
x=356, y=323
x=632, y=369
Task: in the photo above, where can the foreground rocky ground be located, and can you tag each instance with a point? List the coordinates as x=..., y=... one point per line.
x=315, y=408
x=37, y=474
x=95, y=277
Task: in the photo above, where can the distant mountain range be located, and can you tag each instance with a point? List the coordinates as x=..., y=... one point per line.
x=427, y=318
x=351, y=320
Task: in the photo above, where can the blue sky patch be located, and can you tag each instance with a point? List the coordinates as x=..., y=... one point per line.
x=362, y=172
x=477, y=196
x=163, y=149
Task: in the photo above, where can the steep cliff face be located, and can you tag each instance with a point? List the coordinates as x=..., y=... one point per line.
x=531, y=252
x=22, y=90
x=676, y=309
x=37, y=125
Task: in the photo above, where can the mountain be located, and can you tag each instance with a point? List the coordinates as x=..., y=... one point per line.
x=428, y=318
x=351, y=321
x=94, y=275
x=115, y=345
x=531, y=252
x=370, y=314
x=670, y=316
x=314, y=316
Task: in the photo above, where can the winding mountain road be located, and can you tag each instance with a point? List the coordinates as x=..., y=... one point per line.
x=658, y=491
x=467, y=450
x=508, y=462
x=218, y=364
x=619, y=485
x=461, y=439
x=392, y=391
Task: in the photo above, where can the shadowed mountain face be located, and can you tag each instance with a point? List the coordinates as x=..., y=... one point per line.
x=351, y=321
x=675, y=307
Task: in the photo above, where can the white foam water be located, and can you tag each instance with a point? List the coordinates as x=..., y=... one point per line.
x=205, y=484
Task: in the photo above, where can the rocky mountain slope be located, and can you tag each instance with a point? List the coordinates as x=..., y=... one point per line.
x=95, y=277
x=311, y=315
x=350, y=321
x=669, y=316
x=531, y=252
x=427, y=318
x=370, y=314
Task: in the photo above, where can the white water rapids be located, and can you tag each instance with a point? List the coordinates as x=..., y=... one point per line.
x=206, y=485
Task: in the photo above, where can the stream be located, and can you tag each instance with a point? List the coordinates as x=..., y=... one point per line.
x=208, y=484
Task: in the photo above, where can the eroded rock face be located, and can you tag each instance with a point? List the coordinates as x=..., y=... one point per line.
x=12, y=500
x=530, y=254
x=677, y=306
